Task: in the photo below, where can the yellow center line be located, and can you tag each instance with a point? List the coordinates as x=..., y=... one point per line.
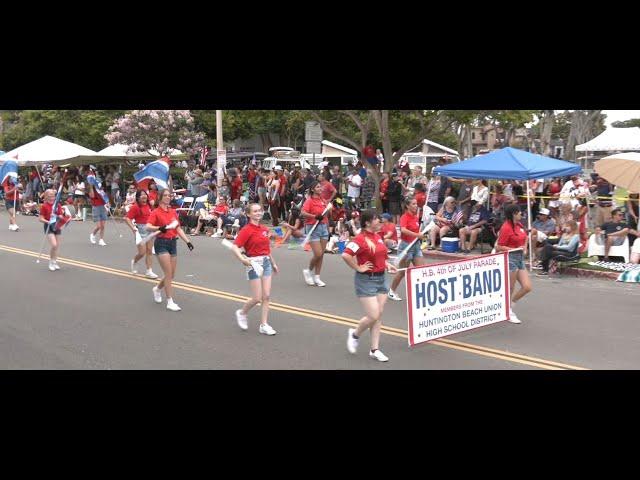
x=337, y=319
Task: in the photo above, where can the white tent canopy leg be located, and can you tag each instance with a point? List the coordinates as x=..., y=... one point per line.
x=529, y=222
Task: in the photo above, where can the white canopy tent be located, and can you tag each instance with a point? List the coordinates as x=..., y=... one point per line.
x=51, y=150
x=613, y=139
x=121, y=150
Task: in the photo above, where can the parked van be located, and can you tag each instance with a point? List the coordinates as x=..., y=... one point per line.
x=285, y=157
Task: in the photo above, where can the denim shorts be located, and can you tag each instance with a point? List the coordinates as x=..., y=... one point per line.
x=414, y=252
x=320, y=233
x=516, y=261
x=370, y=285
x=9, y=203
x=99, y=213
x=51, y=229
x=142, y=230
x=266, y=265
x=166, y=245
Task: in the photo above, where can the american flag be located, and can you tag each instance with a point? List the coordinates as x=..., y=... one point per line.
x=457, y=217
x=203, y=156
x=95, y=182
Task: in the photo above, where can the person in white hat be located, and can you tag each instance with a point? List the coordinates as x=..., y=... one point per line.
x=542, y=228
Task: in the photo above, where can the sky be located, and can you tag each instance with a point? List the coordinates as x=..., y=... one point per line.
x=620, y=115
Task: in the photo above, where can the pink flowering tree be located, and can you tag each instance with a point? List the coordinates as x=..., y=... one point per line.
x=159, y=130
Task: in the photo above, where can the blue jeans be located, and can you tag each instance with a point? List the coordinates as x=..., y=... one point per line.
x=266, y=265
x=166, y=245
x=516, y=261
x=414, y=252
x=368, y=285
x=320, y=233
x=99, y=213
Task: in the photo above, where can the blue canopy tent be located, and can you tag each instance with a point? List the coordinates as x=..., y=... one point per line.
x=510, y=164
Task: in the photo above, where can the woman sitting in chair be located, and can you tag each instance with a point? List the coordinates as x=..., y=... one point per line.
x=567, y=247
x=447, y=221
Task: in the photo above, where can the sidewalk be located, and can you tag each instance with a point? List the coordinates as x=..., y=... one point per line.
x=573, y=271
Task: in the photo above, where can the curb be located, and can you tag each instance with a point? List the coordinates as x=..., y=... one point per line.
x=576, y=272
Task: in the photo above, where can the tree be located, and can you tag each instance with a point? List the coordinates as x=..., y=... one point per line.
x=634, y=122
x=585, y=125
x=160, y=130
x=84, y=127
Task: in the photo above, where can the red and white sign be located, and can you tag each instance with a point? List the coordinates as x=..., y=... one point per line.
x=448, y=298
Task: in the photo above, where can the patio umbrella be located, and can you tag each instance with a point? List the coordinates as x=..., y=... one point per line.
x=621, y=169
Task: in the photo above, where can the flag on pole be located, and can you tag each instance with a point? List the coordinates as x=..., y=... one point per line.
x=97, y=185
x=157, y=171
x=9, y=173
x=253, y=159
x=203, y=156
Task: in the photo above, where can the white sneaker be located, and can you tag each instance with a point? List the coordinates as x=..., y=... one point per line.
x=242, y=320
x=513, y=318
x=266, y=329
x=92, y=238
x=52, y=267
x=101, y=243
x=171, y=305
x=318, y=282
x=157, y=295
x=134, y=270
x=308, y=278
x=378, y=355
x=56, y=266
x=150, y=274
x=216, y=235
x=394, y=296
x=352, y=343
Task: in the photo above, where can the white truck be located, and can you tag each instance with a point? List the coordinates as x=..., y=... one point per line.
x=285, y=157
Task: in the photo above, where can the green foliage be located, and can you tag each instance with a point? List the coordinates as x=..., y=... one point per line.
x=634, y=122
x=84, y=127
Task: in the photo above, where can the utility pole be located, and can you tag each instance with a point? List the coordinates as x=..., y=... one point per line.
x=221, y=153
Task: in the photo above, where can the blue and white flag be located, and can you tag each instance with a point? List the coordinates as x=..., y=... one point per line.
x=157, y=171
x=97, y=185
x=9, y=172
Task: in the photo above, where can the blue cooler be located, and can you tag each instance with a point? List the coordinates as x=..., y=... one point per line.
x=450, y=245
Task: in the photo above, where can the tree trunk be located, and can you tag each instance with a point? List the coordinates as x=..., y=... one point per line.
x=582, y=129
x=266, y=142
x=546, y=131
x=469, y=142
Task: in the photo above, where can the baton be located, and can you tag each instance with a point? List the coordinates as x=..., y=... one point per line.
x=308, y=237
x=404, y=252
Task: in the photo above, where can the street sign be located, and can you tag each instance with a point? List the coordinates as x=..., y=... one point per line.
x=222, y=158
x=312, y=132
x=314, y=147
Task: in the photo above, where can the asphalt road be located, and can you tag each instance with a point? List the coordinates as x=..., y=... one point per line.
x=93, y=314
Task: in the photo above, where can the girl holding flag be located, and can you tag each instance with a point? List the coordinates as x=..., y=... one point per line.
x=409, y=232
x=314, y=213
x=53, y=218
x=254, y=238
x=139, y=212
x=99, y=200
x=165, y=219
x=9, y=182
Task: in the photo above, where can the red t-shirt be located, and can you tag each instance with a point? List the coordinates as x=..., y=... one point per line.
x=236, y=188
x=362, y=252
x=510, y=237
x=45, y=210
x=96, y=199
x=421, y=198
x=254, y=239
x=389, y=228
x=159, y=217
x=338, y=213
x=327, y=191
x=314, y=206
x=251, y=176
x=384, y=185
x=221, y=209
x=410, y=222
x=153, y=197
x=139, y=213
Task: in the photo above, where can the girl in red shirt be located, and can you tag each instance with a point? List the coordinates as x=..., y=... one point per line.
x=368, y=255
x=52, y=230
x=313, y=211
x=254, y=238
x=166, y=247
x=513, y=235
x=409, y=231
x=140, y=212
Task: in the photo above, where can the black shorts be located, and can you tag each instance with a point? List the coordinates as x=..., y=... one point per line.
x=51, y=230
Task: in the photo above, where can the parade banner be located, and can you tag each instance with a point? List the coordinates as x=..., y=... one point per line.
x=448, y=298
